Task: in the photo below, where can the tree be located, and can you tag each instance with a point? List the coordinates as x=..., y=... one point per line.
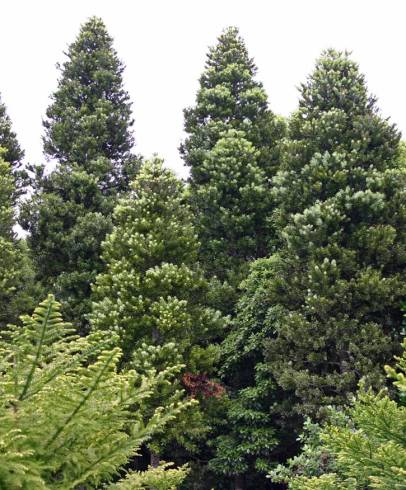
x=12, y=152
x=335, y=288
x=260, y=428
x=152, y=292
x=90, y=114
x=65, y=409
x=8, y=140
x=16, y=274
x=231, y=150
x=88, y=132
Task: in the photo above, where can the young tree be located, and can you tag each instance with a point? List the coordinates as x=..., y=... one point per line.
x=69, y=418
x=231, y=150
x=335, y=288
x=152, y=292
x=88, y=132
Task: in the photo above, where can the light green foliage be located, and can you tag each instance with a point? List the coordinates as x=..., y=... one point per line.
x=162, y=478
x=88, y=132
x=231, y=150
x=313, y=461
x=152, y=292
x=337, y=283
x=399, y=374
x=324, y=482
x=374, y=454
x=68, y=418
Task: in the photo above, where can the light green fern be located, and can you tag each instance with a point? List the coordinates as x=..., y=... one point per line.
x=68, y=418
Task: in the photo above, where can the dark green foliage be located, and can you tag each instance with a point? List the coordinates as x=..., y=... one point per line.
x=259, y=429
x=231, y=150
x=12, y=152
x=229, y=98
x=8, y=140
x=249, y=438
x=90, y=116
x=232, y=206
x=335, y=288
x=295, y=232
x=362, y=448
x=17, y=287
x=88, y=132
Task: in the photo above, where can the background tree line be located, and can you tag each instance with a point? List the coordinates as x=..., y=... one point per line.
x=225, y=322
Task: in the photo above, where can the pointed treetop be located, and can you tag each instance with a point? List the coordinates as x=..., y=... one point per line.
x=229, y=50
x=336, y=83
x=90, y=116
x=229, y=97
x=337, y=114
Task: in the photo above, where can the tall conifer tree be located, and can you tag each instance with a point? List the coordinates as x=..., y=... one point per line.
x=231, y=149
x=332, y=308
x=88, y=133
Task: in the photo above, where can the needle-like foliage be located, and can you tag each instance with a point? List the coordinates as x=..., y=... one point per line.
x=68, y=418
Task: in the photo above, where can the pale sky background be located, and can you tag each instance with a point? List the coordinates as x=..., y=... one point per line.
x=163, y=44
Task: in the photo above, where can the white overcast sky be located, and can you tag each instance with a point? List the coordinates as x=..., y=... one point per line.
x=163, y=44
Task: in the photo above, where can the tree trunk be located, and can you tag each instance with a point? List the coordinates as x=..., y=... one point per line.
x=154, y=462
x=239, y=482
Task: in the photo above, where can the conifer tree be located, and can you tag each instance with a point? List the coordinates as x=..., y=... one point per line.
x=152, y=289
x=88, y=133
x=331, y=313
x=152, y=292
x=90, y=114
x=231, y=150
x=16, y=273
x=12, y=152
